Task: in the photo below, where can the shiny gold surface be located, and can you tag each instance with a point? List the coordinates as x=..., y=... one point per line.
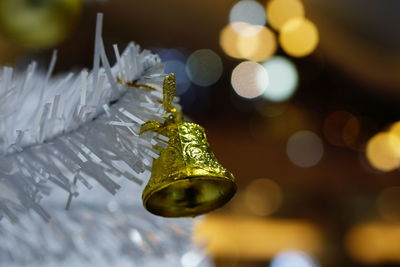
x=186, y=179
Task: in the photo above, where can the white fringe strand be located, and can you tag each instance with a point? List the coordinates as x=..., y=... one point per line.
x=100, y=231
x=81, y=126
x=59, y=135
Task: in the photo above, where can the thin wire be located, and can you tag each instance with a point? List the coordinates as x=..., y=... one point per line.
x=137, y=85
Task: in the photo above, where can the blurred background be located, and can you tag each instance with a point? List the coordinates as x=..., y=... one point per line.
x=299, y=99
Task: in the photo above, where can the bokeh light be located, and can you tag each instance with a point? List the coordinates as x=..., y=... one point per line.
x=281, y=11
x=374, y=242
x=192, y=259
x=248, y=11
x=305, y=149
x=256, y=238
x=299, y=37
x=388, y=203
x=228, y=40
x=383, y=151
x=341, y=128
x=263, y=197
x=182, y=81
x=175, y=60
x=255, y=44
x=293, y=259
x=135, y=237
x=246, y=41
x=38, y=24
x=204, y=67
x=395, y=129
x=283, y=79
x=249, y=79
x=172, y=54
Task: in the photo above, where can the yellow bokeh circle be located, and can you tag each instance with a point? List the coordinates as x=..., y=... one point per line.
x=395, y=128
x=281, y=11
x=383, y=151
x=263, y=197
x=299, y=37
x=258, y=46
x=228, y=40
x=245, y=41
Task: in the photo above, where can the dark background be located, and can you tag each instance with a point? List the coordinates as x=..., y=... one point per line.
x=356, y=68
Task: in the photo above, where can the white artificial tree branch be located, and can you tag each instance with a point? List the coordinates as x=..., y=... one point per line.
x=83, y=127
x=57, y=129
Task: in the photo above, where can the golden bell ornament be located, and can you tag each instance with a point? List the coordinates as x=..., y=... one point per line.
x=186, y=179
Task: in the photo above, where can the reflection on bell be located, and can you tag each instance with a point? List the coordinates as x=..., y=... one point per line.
x=187, y=179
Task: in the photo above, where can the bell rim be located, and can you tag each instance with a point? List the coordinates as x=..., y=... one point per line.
x=217, y=203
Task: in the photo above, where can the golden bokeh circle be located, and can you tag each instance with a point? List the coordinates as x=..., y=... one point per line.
x=383, y=151
x=281, y=11
x=263, y=197
x=395, y=128
x=299, y=37
x=228, y=40
x=258, y=46
x=245, y=41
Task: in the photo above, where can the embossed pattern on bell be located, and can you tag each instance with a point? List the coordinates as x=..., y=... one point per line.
x=189, y=170
x=186, y=178
x=196, y=149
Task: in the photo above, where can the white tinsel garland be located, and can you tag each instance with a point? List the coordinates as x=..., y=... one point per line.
x=57, y=129
x=84, y=127
x=99, y=231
